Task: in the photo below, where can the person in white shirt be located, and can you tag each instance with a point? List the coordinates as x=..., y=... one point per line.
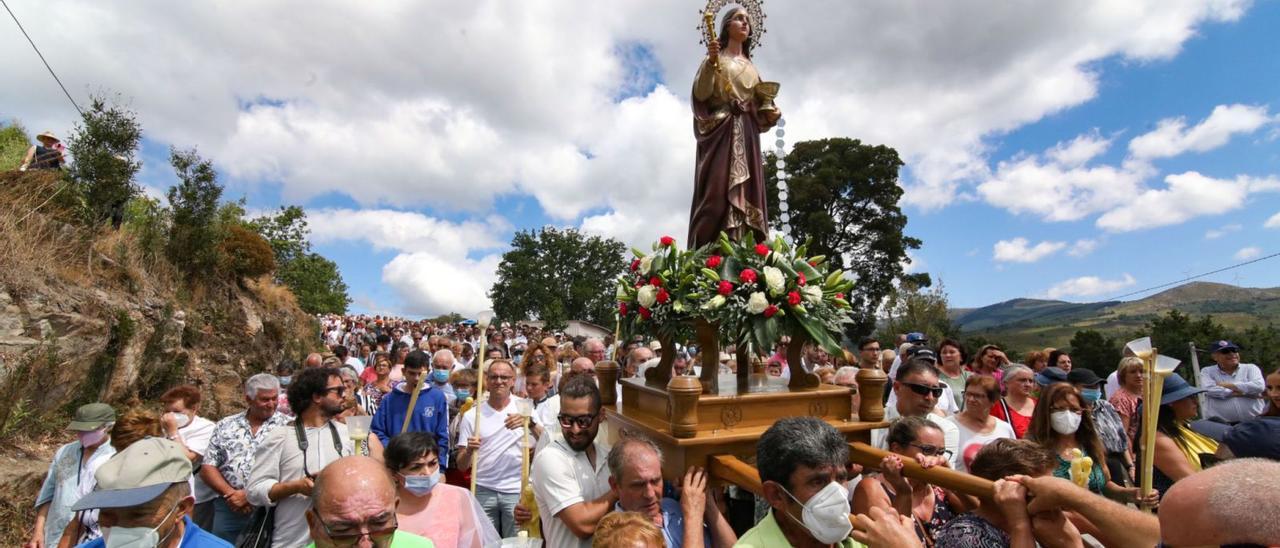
x=947, y=403
x=549, y=409
x=975, y=424
x=1234, y=390
x=570, y=477
x=496, y=447
x=182, y=423
x=918, y=391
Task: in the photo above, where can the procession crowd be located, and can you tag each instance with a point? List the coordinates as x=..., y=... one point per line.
x=295, y=468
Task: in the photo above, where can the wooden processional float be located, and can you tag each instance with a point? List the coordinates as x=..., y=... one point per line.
x=708, y=422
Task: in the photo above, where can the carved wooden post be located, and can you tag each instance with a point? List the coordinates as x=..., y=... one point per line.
x=607, y=373
x=800, y=380
x=871, y=385
x=745, y=368
x=660, y=374
x=709, y=341
x=682, y=397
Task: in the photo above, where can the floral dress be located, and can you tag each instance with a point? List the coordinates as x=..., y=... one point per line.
x=971, y=531
x=370, y=397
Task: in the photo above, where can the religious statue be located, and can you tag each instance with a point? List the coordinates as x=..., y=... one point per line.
x=731, y=108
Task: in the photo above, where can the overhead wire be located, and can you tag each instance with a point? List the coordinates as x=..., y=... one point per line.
x=1189, y=278
x=42, y=59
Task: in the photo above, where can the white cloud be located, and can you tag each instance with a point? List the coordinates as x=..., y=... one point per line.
x=1058, y=186
x=1215, y=233
x=1082, y=247
x=1017, y=250
x=1273, y=222
x=1088, y=286
x=1247, y=253
x=1079, y=151
x=1172, y=137
x=1186, y=195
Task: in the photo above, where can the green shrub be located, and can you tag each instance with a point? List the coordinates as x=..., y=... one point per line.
x=245, y=254
x=13, y=146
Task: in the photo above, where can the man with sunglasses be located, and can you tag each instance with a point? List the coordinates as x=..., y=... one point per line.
x=286, y=463
x=917, y=392
x=495, y=447
x=430, y=412
x=570, y=476
x=354, y=504
x=1234, y=390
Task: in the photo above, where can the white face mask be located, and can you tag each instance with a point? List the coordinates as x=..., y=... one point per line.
x=1064, y=422
x=826, y=515
x=181, y=419
x=136, y=537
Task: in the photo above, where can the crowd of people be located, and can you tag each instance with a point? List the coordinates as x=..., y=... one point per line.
x=387, y=440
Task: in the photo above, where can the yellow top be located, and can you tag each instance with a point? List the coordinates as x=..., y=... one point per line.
x=1193, y=444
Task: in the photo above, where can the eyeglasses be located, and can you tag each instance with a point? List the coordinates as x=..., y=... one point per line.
x=341, y=390
x=377, y=533
x=924, y=389
x=503, y=378
x=583, y=421
x=932, y=450
x=1229, y=351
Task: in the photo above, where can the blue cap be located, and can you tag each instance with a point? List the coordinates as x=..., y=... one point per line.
x=1257, y=438
x=1175, y=388
x=917, y=338
x=1219, y=346
x=1051, y=375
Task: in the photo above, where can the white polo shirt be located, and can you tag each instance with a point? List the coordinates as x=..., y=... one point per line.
x=499, y=456
x=562, y=478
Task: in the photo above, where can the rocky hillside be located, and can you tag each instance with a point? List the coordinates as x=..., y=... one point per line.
x=86, y=316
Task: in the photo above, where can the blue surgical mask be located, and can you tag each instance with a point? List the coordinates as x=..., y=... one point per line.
x=440, y=376
x=1092, y=394
x=462, y=393
x=284, y=381
x=421, y=485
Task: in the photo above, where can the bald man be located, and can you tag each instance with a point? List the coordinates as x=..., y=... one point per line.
x=314, y=359
x=1236, y=502
x=354, y=498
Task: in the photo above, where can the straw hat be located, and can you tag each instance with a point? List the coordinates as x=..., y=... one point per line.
x=48, y=135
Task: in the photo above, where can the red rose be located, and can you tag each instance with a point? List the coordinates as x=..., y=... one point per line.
x=770, y=310
x=726, y=287
x=640, y=284
x=839, y=295
x=635, y=265
x=667, y=240
x=800, y=280
x=644, y=313
x=655, y=281
x=793, y=298
x=622, y=308
x=747, y=276
x=713, y=261
x=762, y=249
x=663, y=296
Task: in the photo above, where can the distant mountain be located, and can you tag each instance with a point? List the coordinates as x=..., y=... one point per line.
x=1030, y=323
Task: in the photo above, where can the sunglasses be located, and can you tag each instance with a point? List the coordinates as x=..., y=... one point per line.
x=924, y=389
x=932, y=450
x=378, y=533
x=583, y=421
x=341, y=390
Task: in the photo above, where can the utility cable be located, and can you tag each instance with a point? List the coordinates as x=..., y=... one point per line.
x=1189, y=278
x=42, y=59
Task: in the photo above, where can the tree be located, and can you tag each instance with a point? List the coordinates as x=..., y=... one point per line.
x=843, y=197
x=104, y=146
x=286, y=231
x=558, y=275
x=1094, y=351
x=194, y=234
x=317, y=284
x=912, y=308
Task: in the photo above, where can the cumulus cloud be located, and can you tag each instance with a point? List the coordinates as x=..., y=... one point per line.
x=1186, y=195
x=1082, y=247
x=1172, y=137
x=1247, y=253
x=1058, y=185
x=1088, y=286
x=1215, y=233
x=1017, y=250
x=1273, y=222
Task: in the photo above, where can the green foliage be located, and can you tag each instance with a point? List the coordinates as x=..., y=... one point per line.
x=317, y=284
x=104, y=145
x=1093, y=350
x=557, y=275
x=194, y=235
x=245, y=254
x=911, y=308
x=104, y=365
x=452, y=317
x=843, y=196
x=148, y=219
x=13, y=146
x=286, y=231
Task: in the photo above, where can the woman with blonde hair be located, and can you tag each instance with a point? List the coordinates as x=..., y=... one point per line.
x=1126, y=399
x=627, y=530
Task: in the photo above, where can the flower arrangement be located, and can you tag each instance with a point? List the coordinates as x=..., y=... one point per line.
x=755, y=291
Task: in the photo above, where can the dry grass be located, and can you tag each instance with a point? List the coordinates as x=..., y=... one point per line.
x=274, y=296
x=35, y=238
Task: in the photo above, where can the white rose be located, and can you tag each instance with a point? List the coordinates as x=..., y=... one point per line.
x=715, y=302
x=647, y=295
x=774, y=280
x=645, y=264
x=622, y=292
x=813, y=294
x=757, y=302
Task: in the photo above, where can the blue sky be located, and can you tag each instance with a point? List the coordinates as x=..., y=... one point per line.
x=1039, y=139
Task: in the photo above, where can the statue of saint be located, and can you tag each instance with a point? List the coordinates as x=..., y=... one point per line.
x=731, y=108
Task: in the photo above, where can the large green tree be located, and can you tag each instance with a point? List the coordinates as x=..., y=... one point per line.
x=317, y=284
x=195, y=233
x=911, y=308
x=103, y=149
x=1093, y=350
x=286, y=231
x=556, y=275
x=843, y=196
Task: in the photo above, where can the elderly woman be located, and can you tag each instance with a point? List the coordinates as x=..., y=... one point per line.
x=371, y=394
x=929, y=506
x=1126, y=399
x=1063, y=423
x=1017, y=405
x=1180, y=451
x=71, y=476
x=977, y=426
x=429, y=507
x=351, y=396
